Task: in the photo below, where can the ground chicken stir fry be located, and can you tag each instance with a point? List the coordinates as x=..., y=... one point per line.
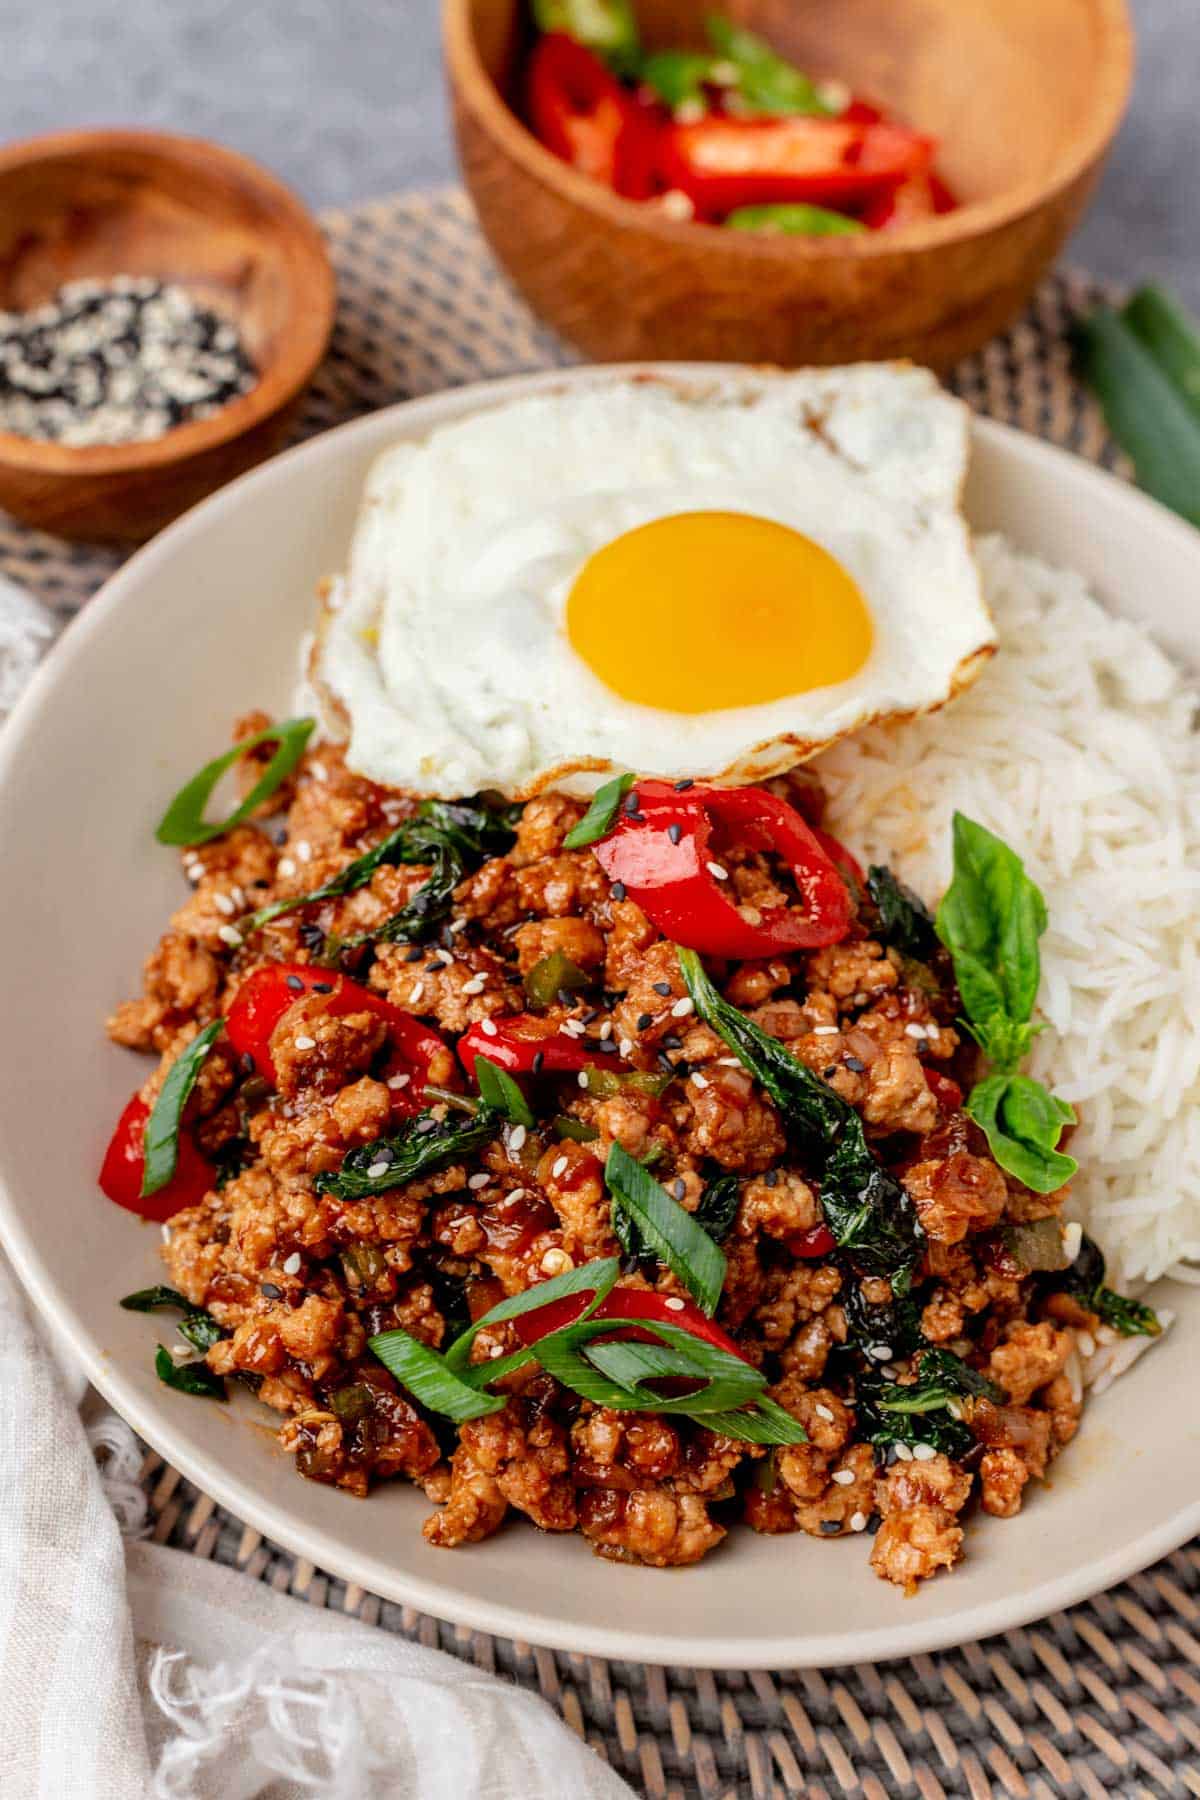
x=298, y=1276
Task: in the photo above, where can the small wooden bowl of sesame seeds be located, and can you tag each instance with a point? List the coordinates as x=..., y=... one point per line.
x=164, y=303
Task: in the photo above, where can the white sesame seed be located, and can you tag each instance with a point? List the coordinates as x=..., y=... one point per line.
x=673, y=1303
x=488, y=1027
x=318, y=771
x=555, y=1262
x=583, y=1078
x=517, y=1194
x=560, y=1167
x=428, y=1124
x=880, y=1352
x=606, y=1030
x=165, y=1233
x=377, y=1169
x=475, y=1182
x=717, y=872
x=625, y=1047
x=495, y=1351
x=397, y=1082
x=224, y=904
x=698, y=1080
x=305, y=1043
x=915, y=1031
x=682, y=1008
x=843, y=1477
x=923, y=1452
x=516, y=1138
x=304, y=851
x=444, y=956
x=825, y=1030
x=229, y=936
x=181, y=1353
x=456, y=925
x=474, y=986
x=858, y=1521
x=573, y=1027
x=675, y=204
x=1086, y=1343
x=292, y=1265
x=237, y=896
x=286, y=866
x=824, y=1412
x=903, y=1453
x=1072, y=1240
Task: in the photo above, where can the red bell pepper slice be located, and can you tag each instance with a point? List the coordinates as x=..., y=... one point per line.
x=521, y=1041
x=625, y=1303
x=922, y=196
x=722, y=163
x=582, y=113
x=817, y=1241
x=664, y=856
x=945, y=1090
x=266, y=995
x=125, y=1161
x=839, y=856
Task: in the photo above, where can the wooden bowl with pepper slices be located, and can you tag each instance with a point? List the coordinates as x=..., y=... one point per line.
x=1021, y=97
x=103, y=204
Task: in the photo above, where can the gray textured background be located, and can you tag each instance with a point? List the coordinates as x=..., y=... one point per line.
x=344, y=99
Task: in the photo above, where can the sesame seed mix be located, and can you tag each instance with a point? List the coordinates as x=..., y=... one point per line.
x=626, y=1046
x=516, y=1138
x=378, y=1168
x=295, y=983
x=858, y=1521
x=645, y=1021
x=843, y=1477
x=663, y=988
x=682, y=1008
x=417, y=994
x=618, y=890
x=488, y=1027
x=480, y=1180
x=560, y=1167
x=117, y=362
x=825, y=1030
x=698, y=1080
x=717, y=872
x=824, y=1412
x=229, y=936
x=306, y=1043
x=675, y=832
x=674, y=1303
x=396, y=1082
x=292, y=1265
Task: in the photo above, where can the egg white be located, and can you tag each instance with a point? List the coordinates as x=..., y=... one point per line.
x=443, y=652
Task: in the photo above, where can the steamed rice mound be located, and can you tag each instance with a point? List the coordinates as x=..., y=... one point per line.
x=1077, y=746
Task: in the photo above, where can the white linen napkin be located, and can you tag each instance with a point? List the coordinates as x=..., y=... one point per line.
x=128, y=1669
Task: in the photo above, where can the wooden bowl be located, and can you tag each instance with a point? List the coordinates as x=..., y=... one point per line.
x=1025, y=96
x=104, y=203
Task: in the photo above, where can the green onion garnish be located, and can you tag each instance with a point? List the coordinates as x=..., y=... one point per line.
x=597, y=1278
x=429, y=1379
x=1149, y=416
x=597, y=821
x=184, y=822
x=666, y=1228
x=160, y=1140
x=498, y=1090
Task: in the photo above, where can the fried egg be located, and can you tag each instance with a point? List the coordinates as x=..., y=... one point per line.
x=673, y=576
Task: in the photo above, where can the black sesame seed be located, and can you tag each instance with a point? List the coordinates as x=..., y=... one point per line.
x=830, y=1527
x=247, y=1062
x=829, y=1073
x=674, y=832
x=662, y=987
x=279, y=835
x=322, y=987
x=681, y=787
x=645, y=1021
x=771, y=1178
x=539, y=1061
x=312, y=937
x=679, y=1187
x=618, y=890
x=672, y=1040
x=270, y=1292
x=873, y=1524
x=631, y=803
x=593, y=1012
x=415, y=955
x=852, y=1062
x=295, y=983
x=664, y=1062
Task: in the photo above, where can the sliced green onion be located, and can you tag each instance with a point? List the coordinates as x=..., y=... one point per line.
x=184, y=822
x=762, y=1423
x=669, y=1231
x=1171, y=336
x=794, y=219
x=729, y=1381
x=767, y=83
x=429, y=1379
x=575, y=1129
x=1146, y=412
x=597, y=821
x=160, y=1140
x=498, y=1090
x=598, y=1277
x=188, y=1378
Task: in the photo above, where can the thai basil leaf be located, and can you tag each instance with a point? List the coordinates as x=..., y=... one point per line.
x=1023, y=1122
x=501, y=1094
x=893, y=1325
x=160, y=1138
x=718, y=1206
x=990, y=921
x=597, y=821
x=423, y=1146
x=766, y=82
x=906, y=923
x=1084, y=1281
x=428, y=1378
x=188, y=1378
x=925, y=1412
x=184, y=822
x=153, y=1299
x=867, y=1210
x=666, y=1228
x=197, y=1327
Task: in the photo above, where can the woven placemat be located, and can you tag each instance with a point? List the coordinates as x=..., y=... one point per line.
x=1102, y=1700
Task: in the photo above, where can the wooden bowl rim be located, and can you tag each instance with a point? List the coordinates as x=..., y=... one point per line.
x=288, y=373
x=1110, y=98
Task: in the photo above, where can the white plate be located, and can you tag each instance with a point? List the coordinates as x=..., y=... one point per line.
x=204, y=623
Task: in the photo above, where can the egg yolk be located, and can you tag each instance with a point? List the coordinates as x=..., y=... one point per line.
x=705, y=610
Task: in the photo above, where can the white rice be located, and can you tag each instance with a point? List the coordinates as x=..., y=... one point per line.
x=1078, y=746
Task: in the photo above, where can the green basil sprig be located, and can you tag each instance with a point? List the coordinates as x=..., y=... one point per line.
x=990, y=921
x=1084, y=1280
x=867, y=1210
x=906, y=923
x=925, y=1411
x=197, y=1326
x=597, y=821
x=719, y=1206
x=160, y=1140
x=666, y=1228
x=184, y=822
x=421, y=1147
x=188, y=1378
